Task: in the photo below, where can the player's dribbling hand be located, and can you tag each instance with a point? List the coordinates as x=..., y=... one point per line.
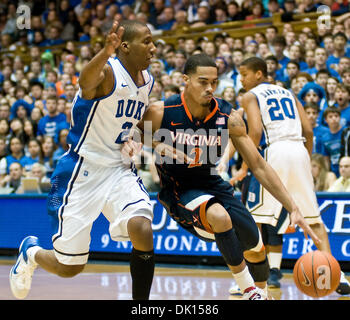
x=296, y=218
x=114, y=38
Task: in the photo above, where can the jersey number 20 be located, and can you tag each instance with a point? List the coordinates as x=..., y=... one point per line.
x=280, y=109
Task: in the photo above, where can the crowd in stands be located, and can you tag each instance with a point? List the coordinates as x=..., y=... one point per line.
x=38, y=85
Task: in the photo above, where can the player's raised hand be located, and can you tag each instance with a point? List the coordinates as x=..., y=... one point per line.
x=114, y=38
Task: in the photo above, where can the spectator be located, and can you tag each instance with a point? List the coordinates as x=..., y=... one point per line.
x=29, y=131
x=28, y=107
x=234, y=12
x=3, y=147
x=37, y=114
x=257, y=12
x=344, y=64
x=36, y=90
x=273, y=68
x=331, y=85
x=279, y=45
x=16, y=155
x=345, y=77
x=229, y=95
x=14, y=179
x=16, y=129
x=340, y=40
x=190, y=46
x=313, y=92
x=53, y=37
x=271, y=33
x=48, y=147
x=320, y=64
x=322, y=78
x=69, y=92
x=310, y=58
x=331, y=139
x=312, y=113
x=179, y=61
x=323, y=178
x=167, y=19
x=4, y=130
x=170, y=90
x=62, y=146
x=203, y=15
x=34, y=154
x=342, y=99
x=156, y=69
x=292, y=69
x=210, y=49
x=302, y=79
x=342, y=184
x=39, y=171
x=48, y=124
x=224, y=75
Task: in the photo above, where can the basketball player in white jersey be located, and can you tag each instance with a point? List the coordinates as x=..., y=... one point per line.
x=278, y=125
x=92, y=176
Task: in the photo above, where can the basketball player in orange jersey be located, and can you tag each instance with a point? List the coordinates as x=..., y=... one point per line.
x=278, y=126
x=192, y=192
x=92, y=177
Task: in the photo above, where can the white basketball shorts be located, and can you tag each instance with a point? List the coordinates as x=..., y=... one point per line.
x=291, y=161
x=80, y=191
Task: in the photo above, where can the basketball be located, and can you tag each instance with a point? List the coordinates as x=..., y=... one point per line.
x=317, y=274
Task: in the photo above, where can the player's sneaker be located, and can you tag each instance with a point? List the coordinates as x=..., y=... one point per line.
x=254, y=293
x=21, y=273
x=235, y=290
x=344, y=286
x=274, y=277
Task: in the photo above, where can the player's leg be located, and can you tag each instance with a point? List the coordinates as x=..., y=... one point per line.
x=30, y=256
x=322, y=234
x=130, y=214
x=142, y=257
x=231, y=249
x=73, y=220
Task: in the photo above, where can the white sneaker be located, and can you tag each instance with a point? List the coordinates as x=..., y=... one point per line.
x=235, y=290
x=344, y=285
x=254, y=293
x=21, y=273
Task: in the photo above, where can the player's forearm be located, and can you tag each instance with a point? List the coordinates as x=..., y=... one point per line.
x=92, y=74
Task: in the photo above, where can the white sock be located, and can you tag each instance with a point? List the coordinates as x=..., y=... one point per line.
x=275, y=259
x=243, y=279
x=31, y=252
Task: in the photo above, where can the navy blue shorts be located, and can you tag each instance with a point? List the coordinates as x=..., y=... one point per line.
x=188, y=208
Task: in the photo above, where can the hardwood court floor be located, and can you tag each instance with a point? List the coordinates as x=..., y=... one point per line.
x=111, y=281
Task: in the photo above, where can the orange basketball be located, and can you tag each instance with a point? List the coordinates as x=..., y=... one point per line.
x=317, y=274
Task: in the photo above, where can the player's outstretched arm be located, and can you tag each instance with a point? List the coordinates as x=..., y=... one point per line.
x=264, y=173
x=96, y=71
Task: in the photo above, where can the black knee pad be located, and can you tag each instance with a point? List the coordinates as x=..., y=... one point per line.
x=259, y=271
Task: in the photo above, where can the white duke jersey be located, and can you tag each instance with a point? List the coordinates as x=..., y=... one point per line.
x=279, y=114
x=100, y=126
